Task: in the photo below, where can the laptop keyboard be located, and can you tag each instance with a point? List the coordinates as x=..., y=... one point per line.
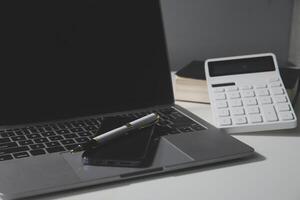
x=64, y=136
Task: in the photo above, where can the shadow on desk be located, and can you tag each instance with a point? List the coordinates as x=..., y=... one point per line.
x=256, y=157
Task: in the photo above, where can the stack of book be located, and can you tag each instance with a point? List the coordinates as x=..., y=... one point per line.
x=190, y=83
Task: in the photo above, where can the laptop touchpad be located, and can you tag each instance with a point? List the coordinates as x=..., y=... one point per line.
x=166, y=155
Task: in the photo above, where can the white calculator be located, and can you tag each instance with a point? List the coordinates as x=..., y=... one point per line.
x=247, y=94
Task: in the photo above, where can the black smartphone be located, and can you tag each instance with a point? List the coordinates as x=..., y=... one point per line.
x=136, y=149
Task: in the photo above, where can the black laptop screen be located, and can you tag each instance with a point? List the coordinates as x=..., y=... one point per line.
x=66, y=58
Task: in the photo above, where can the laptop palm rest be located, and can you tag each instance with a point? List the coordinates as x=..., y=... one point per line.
x=166, y=155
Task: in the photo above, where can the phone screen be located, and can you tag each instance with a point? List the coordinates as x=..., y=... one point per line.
x=136, y=149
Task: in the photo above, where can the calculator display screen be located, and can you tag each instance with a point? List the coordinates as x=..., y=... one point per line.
x=241, y=66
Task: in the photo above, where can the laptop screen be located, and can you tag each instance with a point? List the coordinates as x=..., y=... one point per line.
x=66, y=58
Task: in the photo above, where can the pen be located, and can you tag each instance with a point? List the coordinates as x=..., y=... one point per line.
x=115, y=133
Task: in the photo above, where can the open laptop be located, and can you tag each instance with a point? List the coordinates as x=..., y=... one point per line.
x=65, y=66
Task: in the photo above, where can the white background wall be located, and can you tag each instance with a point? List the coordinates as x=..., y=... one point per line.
x=200, y=29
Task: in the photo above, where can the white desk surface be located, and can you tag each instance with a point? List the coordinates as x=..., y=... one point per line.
x=272, y=175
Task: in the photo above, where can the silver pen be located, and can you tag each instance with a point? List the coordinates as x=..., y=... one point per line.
x=115, y=133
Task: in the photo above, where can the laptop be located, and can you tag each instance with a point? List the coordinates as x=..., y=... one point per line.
x=66, y=66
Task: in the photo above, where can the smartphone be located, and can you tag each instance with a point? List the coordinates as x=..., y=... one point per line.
x=136, y=149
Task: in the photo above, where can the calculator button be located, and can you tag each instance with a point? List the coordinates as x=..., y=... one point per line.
x=261, y=85
x=280, y=99
x=239, y=120
x=223, y=113
x=252, y=110
x=255, y=119
x=235, y=103
x=269, y=113
x=248, y=93
x=237, y=111
x=277, y=91
x=262, y=92
x=231, y=88
x=246, y=87
x=265, y=100
x=250, y=101
x=220, y=96
x=233, y=95
x=273, y=79
x=225, y=121
x=283, y=107
x=221, y=104
x=275, y=84
x=218, y=90
x=286, y=116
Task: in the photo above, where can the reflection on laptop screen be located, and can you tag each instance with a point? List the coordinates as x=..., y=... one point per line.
x=65, y=58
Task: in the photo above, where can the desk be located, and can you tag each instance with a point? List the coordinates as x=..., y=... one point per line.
x=273, y=175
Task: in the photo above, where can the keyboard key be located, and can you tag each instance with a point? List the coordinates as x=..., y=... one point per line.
x=55, y=149
x=21, y=155
x=8, y=145
x=47, y=134
x=275, y=84
x=231, y=88
x=283, y=107
x=225, y=121
x=41, y=140
x=262, y=92
x=25, y=142
x=280, y=99
x=52, y=144
x=62, y=131
x=82, y=139
x=6, y=157
x=252, y=110
x=91, y=128
x=250, y=101
x=235, y=103
x=286, y=116
x=68, y=141
x=273, y=79
x=218, y=90
x=260, y=85
x=234, y=95
x=223, y=112
x=277, y=91
x=269, y=113
x=221, y=104
x=18, y=138
x=265, y=100
x=55, y=138
x=85, y=134
x=255, y=119
x=33, y=136
x=4, y=140
x=70, y=147
x=7, y=134
x=13, y=150
x=237, y=111
x=37, y=146
x=239, y=120
x=76, y=129
x=72, y=135
x=248, y=93
x=37, y=152
x=220, y=96
x=246, y=87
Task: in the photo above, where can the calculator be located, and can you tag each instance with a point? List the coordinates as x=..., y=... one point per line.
x=247, y=94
